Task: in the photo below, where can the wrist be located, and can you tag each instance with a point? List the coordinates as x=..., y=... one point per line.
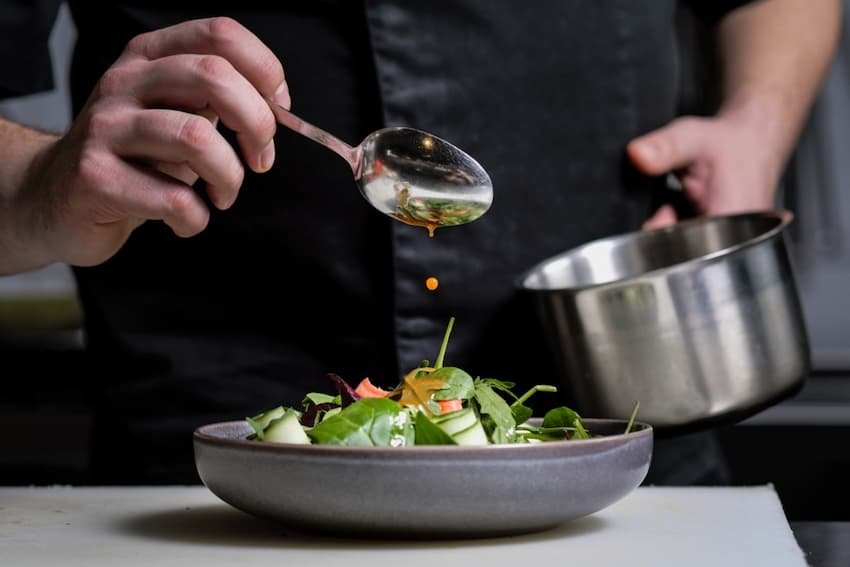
x=763, y=119
x=24, y=207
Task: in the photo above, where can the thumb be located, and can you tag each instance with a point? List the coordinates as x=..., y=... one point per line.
x=672, y=147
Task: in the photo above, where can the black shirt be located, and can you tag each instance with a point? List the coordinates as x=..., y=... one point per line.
x=302, y=277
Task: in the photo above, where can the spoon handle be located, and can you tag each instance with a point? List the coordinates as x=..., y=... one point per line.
x=349, y=154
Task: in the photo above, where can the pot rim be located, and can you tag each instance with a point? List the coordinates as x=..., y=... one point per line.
x=784, y=216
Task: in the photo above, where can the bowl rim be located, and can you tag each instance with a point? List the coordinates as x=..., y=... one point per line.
x=784, y=216
x=640, y=429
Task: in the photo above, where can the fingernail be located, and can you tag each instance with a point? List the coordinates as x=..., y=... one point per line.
x=267, y=157
x=281, y=96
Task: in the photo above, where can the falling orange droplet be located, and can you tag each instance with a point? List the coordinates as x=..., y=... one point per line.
x=432, y=283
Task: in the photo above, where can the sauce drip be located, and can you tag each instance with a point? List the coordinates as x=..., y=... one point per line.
x=433, y=213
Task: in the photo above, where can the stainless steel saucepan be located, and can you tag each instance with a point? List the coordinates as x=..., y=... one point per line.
x=700, y=322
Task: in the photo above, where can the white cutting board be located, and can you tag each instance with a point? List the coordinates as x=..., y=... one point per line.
x=692, y=527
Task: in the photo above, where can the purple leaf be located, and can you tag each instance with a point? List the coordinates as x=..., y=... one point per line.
x=346, y=392
x=308, y=418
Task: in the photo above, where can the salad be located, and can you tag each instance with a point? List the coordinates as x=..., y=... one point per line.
x=431, y=405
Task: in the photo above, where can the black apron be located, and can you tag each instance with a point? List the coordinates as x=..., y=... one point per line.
x=302, y=277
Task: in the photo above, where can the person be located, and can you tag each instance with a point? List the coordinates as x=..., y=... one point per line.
x=226, y=265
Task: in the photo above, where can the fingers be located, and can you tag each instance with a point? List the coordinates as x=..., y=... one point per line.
x=664, y=216
x=223, y=37
x=148, y=130
x=129, y=191
x=176, y=138
x=210, y=81
x=672, y=147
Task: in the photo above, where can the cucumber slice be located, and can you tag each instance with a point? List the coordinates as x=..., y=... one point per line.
x=456, y=421
x=286, y=429
x=441, y=417
x=260, y=421
x=266, y=417
x=473, y=435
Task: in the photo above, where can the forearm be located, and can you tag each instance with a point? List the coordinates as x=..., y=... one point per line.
x=775, y=54
x=21, y=248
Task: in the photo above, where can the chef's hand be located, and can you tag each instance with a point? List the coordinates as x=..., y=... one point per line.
x=148, y=132
x=723, y=164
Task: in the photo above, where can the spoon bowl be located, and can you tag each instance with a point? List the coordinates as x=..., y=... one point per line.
x=410, y=175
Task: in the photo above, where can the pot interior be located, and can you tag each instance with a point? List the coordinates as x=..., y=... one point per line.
x=630, y=255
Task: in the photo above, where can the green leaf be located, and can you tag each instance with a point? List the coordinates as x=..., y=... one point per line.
x=442, y=354
x=500, y=385
x=560, y=417
x=377, y=422
x=521, y=413
x=320, y=398
x=498, y=435
x=580, y=432
x=323, y=415
x=493, y=405
x=427, y=433
x=565, y=417
x=533, y=390
x=631, y=422
x=459, y=385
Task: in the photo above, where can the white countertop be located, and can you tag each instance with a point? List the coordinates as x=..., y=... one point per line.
x=656, y=526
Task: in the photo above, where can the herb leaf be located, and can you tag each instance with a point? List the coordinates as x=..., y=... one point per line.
x=565, y=417
x=533, y=390
x=377, y=422
x=427, y=433
x=320, y=398
x=500, y=385
x=442, y=354
x=458, y=384
x=494, y=406
x=521, y=413
x=631, y=422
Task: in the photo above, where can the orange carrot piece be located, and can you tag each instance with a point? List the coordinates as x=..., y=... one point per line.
x=447, y=406
x=365, y=389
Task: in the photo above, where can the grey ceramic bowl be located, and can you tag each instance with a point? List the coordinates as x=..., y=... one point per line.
x=423, y=492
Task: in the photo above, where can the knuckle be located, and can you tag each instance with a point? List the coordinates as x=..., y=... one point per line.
x=92, y=169
x=139, y=44
x=214, y=69
x=115, y=80
x=183, y=219
x=223, y=30
x=270, y=66
x=180, y=204
x=196, y=133
x=102, y=123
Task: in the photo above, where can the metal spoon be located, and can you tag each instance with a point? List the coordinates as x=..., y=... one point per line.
x=410, y=175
